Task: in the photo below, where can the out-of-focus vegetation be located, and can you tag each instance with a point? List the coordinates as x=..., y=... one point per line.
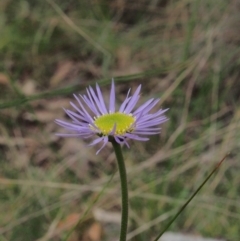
x=185, y=52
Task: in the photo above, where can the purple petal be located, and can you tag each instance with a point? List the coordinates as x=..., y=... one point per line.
x=66, y=124
x=96, y=100
x=105, y=141
x=84, y=110
x=112, y=98
x=122, y=107
x=67, y=135
x=145, y=109
x=136, y=137
x=140, y=108
x=118, y=140
x=74, y=116
x=133, y=101
x=96, y=141
x=90, y=104
x=121, y=140
x=100, y=97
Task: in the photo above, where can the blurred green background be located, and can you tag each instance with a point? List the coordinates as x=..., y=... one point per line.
x=186, y=52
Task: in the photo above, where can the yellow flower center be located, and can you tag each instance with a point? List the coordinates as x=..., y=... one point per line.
x=105, y=123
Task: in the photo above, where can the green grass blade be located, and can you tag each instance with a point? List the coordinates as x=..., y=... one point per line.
x=190, y=199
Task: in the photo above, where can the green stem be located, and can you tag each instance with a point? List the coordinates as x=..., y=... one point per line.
x=123, y=178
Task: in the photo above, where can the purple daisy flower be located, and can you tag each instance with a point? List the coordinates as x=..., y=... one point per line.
x=108, y=124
